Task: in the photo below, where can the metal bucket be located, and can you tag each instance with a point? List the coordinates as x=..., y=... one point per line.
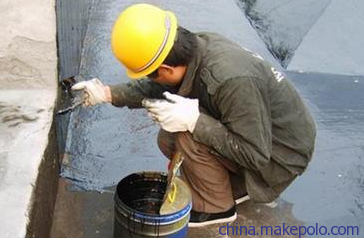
x=138, y=198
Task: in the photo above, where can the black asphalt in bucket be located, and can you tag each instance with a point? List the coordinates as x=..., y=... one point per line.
x=138, y=198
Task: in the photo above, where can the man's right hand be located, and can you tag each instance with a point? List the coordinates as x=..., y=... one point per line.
x=96, y=91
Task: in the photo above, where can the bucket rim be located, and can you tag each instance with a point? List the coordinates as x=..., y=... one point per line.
x=149, y=217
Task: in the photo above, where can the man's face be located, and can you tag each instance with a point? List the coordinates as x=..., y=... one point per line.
x=170, y=75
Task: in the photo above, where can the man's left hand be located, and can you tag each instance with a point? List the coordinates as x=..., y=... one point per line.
x=174, y=114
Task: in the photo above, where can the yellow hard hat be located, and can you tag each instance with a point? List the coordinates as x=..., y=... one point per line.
x=142, y=37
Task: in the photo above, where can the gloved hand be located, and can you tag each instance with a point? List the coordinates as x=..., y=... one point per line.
x=174, y=114
x=94, y=89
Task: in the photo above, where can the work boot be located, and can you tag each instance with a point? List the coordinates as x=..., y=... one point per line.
x=200, y=219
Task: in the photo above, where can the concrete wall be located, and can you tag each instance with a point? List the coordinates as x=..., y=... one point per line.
x=28, y=54
x=72, y=17
x=28, y=80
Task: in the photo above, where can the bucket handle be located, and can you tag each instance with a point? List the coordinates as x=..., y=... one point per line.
x=172, y=196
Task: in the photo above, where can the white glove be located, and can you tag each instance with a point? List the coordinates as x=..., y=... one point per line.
x=95, y=90
x=174, y=114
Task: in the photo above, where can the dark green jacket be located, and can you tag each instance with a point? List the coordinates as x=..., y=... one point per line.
x=251, y=113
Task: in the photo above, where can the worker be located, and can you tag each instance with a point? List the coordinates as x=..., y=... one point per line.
x=241, y=126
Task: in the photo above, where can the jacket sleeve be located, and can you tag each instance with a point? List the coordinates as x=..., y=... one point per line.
x=243, y=133
x=132, y=93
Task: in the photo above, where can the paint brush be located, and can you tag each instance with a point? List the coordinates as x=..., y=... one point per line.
x=171, y=189
x=70, y=99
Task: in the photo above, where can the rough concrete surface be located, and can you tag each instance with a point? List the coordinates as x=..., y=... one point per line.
x=26, y=117
x=44, y=190
x=28, y=79
x=28, y=54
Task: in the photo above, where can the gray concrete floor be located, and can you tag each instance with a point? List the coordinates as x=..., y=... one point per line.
x=90, y=214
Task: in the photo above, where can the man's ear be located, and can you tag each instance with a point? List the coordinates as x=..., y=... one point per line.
x=166, y=69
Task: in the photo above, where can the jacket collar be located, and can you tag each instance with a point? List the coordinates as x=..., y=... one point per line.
x=187, y=82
